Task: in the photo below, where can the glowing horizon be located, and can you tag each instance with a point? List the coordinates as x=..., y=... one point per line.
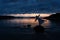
x=28, y=15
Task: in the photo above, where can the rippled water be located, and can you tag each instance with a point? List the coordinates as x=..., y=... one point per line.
x=49, y=25
x=22, y=22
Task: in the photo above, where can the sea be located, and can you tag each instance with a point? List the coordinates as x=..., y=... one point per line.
x=23, y=22
x=18, y=29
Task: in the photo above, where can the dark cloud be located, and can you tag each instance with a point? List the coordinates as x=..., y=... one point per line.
x=24, y=6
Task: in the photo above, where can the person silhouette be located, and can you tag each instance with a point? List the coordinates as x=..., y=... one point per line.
x=40, y=21
x=39, y=28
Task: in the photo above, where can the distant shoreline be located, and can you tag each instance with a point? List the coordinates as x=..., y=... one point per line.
x=12, y=17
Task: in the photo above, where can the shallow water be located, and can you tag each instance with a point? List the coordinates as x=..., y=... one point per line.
x=49, y=25
x=23, y=22
x=10, y=29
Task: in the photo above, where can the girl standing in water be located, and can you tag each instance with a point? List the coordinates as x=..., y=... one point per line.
x=40, y=21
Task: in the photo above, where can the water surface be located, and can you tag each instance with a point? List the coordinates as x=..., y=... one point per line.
x=52, y=26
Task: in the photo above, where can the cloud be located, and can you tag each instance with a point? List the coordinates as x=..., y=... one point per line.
x=29, y=6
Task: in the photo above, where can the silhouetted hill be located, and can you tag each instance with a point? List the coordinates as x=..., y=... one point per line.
x=12, y=17
x=54, y=17
x=7, y=17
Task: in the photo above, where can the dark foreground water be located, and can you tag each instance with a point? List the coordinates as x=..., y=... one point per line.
x=16, y=29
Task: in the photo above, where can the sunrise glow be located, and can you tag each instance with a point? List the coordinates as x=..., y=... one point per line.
x=29, y=15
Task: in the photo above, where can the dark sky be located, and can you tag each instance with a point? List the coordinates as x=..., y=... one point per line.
x=29, y=6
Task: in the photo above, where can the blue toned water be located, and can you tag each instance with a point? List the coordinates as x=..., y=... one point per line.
x=50, y=26
x=17, y=29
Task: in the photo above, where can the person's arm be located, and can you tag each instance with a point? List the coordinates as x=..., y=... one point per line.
x=35, y=19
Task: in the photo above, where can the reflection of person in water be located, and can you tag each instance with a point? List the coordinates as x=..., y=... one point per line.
x=39, y=29
x=40, y=21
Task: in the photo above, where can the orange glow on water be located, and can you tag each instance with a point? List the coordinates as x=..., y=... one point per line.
x=32, y=22
x=24, y=21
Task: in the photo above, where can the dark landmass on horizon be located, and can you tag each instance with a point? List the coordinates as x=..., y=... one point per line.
x=12, y=17
x=54, y=17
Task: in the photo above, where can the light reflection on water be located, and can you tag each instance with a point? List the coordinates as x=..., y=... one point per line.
x=51, y=26
x=32, y=22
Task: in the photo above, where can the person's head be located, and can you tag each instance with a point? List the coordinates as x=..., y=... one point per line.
x=37, y=16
